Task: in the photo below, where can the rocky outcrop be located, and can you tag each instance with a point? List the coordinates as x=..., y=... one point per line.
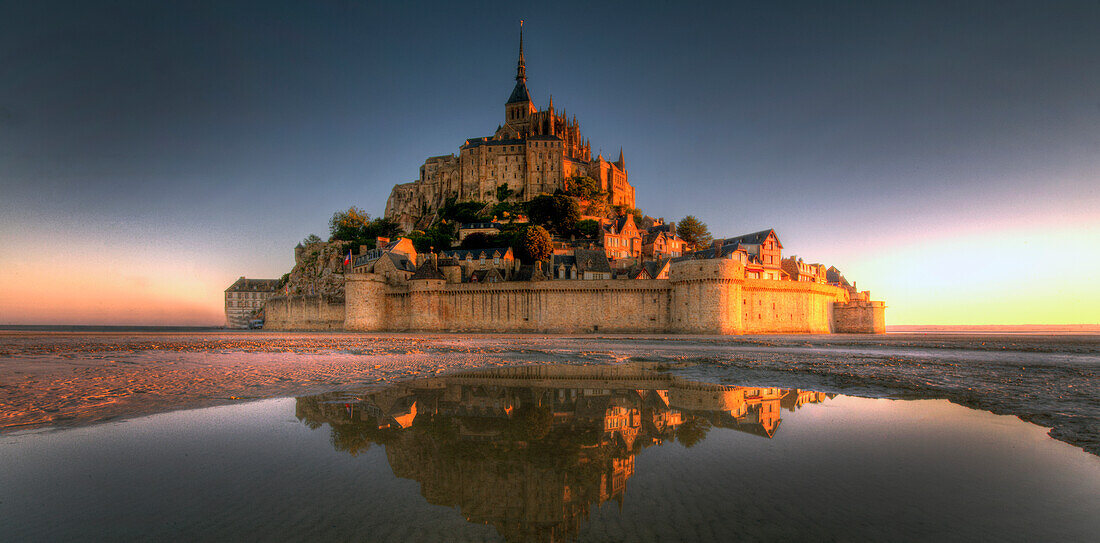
x=318, y=271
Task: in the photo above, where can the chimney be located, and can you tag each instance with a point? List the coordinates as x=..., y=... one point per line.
x=362, y=249
x=381, y=242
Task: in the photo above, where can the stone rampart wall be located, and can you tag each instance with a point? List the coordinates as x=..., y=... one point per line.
x=303, y=313
x=777, y=307
x=549, y=306
x=703, y=297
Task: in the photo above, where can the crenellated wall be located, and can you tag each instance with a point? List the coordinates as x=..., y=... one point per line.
x=700, y=297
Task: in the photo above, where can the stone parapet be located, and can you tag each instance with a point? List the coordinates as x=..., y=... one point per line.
x=704, y=297
x=303, y=313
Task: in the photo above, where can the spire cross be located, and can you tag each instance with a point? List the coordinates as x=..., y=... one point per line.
x=521, y=67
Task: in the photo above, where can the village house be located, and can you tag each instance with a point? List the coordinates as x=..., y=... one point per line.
x=621, y=238
x=487, y=228
x=835, y=278
x=764, y=250
x=245, y=297
x=662, y=242
x=798, y=270
x=395, y=260
x=650, y=269
x=500, y=259
x=584, y=264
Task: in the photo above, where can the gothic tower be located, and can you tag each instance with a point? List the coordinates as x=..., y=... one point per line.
x=519, y=105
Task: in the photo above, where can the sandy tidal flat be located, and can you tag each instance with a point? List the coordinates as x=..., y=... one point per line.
x=51, y=379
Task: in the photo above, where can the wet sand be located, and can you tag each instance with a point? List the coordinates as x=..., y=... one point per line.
x=62, y=379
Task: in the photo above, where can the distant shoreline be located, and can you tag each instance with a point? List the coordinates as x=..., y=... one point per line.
x=996, y=328
x=106, y=328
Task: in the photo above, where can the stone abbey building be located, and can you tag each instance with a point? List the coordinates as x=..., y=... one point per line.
x=533, y=152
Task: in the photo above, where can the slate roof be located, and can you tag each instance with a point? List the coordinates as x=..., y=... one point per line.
x=710, y=252
x=530, y=272
x=833, y=275
x=253, y=285
x=593, y=260
x=401, y=262
x=427, y=270
x=475, y=254
x=652, y=236
x=519, y=94
x=755, y=238
x=480, y=225
x=654, y=267
x=486, y=276
x=363, y=259
x=478, y=142
x=634, y=273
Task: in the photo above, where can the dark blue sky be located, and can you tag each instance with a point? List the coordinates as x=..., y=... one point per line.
x=220, y=133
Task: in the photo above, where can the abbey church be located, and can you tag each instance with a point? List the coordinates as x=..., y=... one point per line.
x=532, y=153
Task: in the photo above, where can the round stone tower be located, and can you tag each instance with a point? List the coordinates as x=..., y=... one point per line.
x=706, y=296
x=364, y=302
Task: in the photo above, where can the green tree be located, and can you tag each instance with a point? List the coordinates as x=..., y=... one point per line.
x=558, y=213
x=436, y=238
x=598, y=207
x=348, y=225
x=503, y=211
x=383, y=227
x=583, y=187
x=312, y=238
x=356, y=228
x=588, y=228
x=693, y=231
x=533, y=244
x=460, y=212
x=503, y=193
x=480, y=240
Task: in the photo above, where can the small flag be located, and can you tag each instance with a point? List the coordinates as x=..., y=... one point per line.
x=347, y=259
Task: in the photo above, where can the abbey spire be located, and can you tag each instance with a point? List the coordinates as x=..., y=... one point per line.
x=532, y=152
x=519, y=93
x=521, y=66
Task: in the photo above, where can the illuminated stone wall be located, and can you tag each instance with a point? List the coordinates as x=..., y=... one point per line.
x=303, y=313
x=700, y=296
x=860, y=318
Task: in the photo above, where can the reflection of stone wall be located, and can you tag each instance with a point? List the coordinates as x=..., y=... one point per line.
x=474, y=440
x=303, y=313
x=522, y=500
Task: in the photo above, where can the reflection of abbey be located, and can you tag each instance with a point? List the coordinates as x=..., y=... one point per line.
x=625, y=272
x=533, y=152
x=530, y=449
